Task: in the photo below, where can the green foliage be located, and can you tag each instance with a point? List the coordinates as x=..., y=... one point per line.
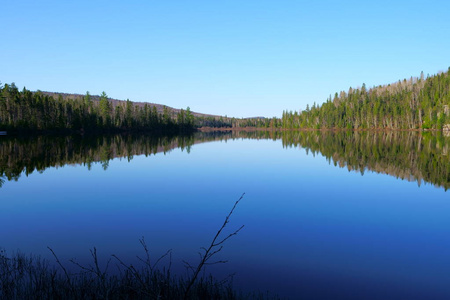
x=416, y=103
x=26, y=111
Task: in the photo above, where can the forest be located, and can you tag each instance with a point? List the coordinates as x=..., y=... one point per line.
x=25, y=111
x=415, y=103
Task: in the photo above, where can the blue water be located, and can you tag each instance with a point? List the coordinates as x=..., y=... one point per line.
x=312, y=229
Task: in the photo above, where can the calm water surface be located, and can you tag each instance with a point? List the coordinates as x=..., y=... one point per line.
x=326, y=215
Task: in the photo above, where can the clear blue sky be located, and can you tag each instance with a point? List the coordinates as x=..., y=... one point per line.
x=235, y=58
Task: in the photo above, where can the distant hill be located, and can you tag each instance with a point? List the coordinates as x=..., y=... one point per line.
x=201, y=119
x=115, y=102
x=31, y=111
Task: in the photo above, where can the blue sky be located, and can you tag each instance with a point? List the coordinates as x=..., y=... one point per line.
x=235, y=58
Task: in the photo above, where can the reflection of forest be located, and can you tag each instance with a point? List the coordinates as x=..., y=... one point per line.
x=26, y=155
x=407, y=155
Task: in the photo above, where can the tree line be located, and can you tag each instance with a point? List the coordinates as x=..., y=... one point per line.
x=415, y=103
x=22, y=111
x=35, y=111
x=227, y=122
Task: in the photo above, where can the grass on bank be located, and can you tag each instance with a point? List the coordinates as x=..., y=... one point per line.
x=31, y=277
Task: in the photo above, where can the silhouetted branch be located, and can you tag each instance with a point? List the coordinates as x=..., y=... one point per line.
x=212, y=250
x=69, y=282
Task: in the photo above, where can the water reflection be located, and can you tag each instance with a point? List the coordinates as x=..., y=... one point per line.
x=22, y=155
x=412, y=156
x=421, y=157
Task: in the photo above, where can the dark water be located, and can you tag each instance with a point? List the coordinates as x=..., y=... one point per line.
x=326, y=215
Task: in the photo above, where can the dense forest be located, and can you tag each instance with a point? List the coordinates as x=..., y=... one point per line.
x=36, y=111
x=416, y=103
x=27, y=111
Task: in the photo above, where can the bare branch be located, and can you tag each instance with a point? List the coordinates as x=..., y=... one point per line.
x=62, y=267
x=162, y=256
x=212, y=250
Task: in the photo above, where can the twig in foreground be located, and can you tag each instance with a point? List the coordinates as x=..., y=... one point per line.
x=214, y=248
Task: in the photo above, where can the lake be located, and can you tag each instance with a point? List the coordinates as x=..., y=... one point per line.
x=326, y=215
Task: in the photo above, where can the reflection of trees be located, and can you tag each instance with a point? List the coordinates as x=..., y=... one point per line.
x=24, y=155
x=407, y=155
x=105, y=156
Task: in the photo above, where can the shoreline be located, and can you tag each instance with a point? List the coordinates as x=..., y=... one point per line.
x=210, y=129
